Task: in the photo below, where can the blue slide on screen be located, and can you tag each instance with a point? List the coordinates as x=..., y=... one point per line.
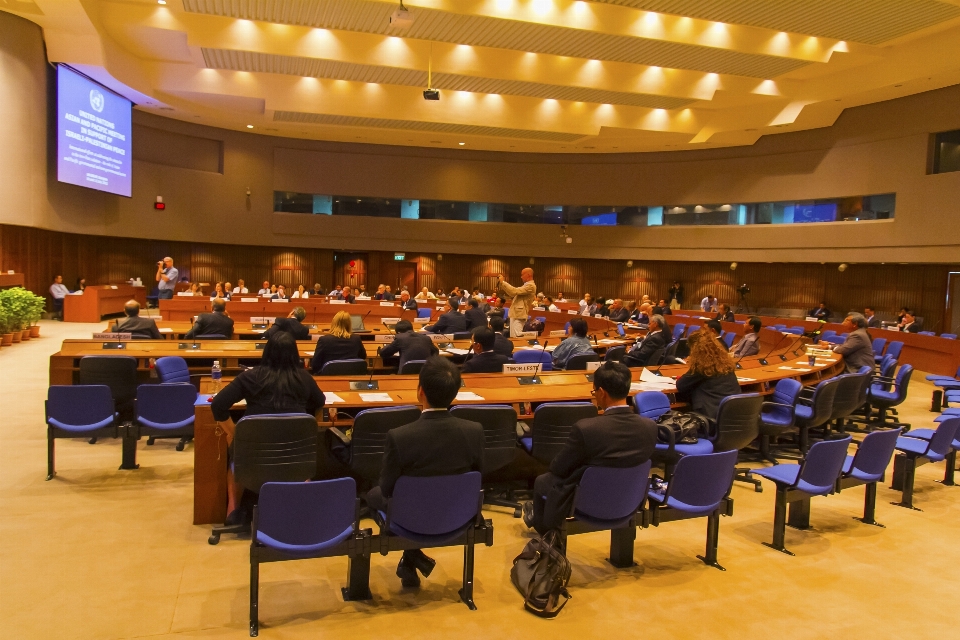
x=93, y=135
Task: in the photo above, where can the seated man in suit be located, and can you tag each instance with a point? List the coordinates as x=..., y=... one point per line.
x=654, y=341
x=618, y=312
x=821, y=313
x=485, y=358
x=450, y=322
x=502, y=345
x=873, y=322
x=281, y=293
x=135, y=325
x=407, y=303
x=388, y=294
x=857, y=349
x=216, y=323
x=347, y=294
x=292, y=324
x=576, y=343
x=587, y=305
x=475, y=317
x=410, y=345
x=910, y=323
x=749, y=344
x=619, y=438
x=437, y=444
x=725, y=314
x=381, y=291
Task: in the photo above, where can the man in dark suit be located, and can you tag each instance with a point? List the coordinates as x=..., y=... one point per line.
x=347, y=294
x=281, y=293
x=725, y=314
x=749, y=344
x=821, y=313
x=410, y=345
x=873, y=322
x=485, y=359
x=619, y=438
x=618, y=312
x=437, y=444
x=653, y=342
x=216, y=323
x=502, y=345
x=136, y=326
x=407, y=303
x=475, y=317
x=857, y=349
x=388, y=295
x=450, y=322
x=292, y=324
x=910, y=323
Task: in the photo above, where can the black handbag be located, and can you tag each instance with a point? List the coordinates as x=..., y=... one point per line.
x=541, y=573
x=675, y=427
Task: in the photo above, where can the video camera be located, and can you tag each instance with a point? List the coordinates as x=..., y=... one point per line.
x=743, y=290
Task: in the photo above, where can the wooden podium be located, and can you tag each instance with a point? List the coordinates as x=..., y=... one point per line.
x=100, y=300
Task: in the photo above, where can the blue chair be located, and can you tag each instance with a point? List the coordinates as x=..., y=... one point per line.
x=927, y=434
x=916, y=452
x=949, y=381
x=423, y=313
x=531, y=356
x=817, y=411
x=153, y=300
x=829, y=333
x=700, y=487
x=778, y=414
x=301, y=520
x=615, y=354
x=651, y=404
x=349, y=367
x=886, y=396
x=926, y=333
x=949, y=336
x=797, y=331
x=551, y=426
x=78, y=411
x=878, y=345
x=411, y=367
x=737, y=425
x=437, y=511
x=893, y=349
x=579, y=361
x=728, y=338
x=609, y=498
x=506, y=313
x=164, y=410
x=499, y=424
x=816, y=475
x=867, y=468
x=851, y=395
x=678, y=330
x=172, y=369
x=781, y=327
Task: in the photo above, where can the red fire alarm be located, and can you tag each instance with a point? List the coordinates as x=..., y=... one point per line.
x=159, y=203
x=353, y=263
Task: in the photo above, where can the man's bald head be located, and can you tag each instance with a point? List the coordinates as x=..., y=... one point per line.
x=132, y=308
x=526, y=275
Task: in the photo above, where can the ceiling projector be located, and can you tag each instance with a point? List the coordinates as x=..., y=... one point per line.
x=431, y=94
x=401, y=19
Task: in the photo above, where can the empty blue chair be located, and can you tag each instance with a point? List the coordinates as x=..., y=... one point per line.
x=779, y=327
x=164, y=410
x=437, y=511
x=817, y=475
x=172, y=369
x=651, y=404
x=926, y=333
x=532, y=356
x=949, y=380
x=949, y=336
x=349, y=367
x=700, y=487
x=878, y=345
x=778, y=415
x=928, y=434
x=817, y=411
x=411, y=367
x=893, y=349
x=78, y=411
x=728, y=338
x=550, y=429
x=425, y=313
x=829, y=333
x=795, y=330
x=609, y=498
x=300, y=520
x=885, y=396
x=867, y=468
x=614, y=354
x=916, y=452
x=678, y=330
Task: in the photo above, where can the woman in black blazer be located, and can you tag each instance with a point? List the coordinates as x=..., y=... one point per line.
x=710, y=378
x=339, y=344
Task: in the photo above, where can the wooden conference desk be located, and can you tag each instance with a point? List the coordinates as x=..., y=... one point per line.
x=100, y=300
x=11, y=280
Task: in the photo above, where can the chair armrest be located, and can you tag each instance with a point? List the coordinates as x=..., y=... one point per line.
x=776, y=404
x=344, y=438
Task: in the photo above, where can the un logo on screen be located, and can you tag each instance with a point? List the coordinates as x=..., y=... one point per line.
x=96, y=100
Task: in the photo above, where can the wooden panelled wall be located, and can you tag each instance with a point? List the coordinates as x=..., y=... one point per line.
x=41, y=255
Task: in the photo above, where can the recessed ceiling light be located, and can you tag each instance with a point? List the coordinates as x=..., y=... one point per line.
x=249, y=126
x=461, y=143
x=161, y=1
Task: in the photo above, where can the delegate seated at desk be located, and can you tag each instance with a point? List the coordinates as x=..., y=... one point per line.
x=136, y=326
x=502, y=345
x=474, y=316
x=749, y=344
x=340, y=344
x=279, y=384
x=292, y=324
x=216, y=323
x=655, y=340
x=857, y=349
x=910, y=323
x=575, y=344
x=410, y=345
x=820, y=313
x=619, y=438
x=437, y=444
x=451, y=321
x=485, y=359
x=710, y=376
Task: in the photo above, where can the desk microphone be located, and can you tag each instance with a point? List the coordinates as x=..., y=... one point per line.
x=362, y=325
x=369, y=384
x=543, y=350
x=763, y=360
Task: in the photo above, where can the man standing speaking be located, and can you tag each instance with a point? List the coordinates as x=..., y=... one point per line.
x=522, y=299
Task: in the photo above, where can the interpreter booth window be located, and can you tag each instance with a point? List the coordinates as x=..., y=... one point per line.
x=946, y=152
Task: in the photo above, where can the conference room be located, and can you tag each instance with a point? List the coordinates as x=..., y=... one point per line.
x=436, y=318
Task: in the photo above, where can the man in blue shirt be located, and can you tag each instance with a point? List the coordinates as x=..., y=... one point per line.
x=167, y=277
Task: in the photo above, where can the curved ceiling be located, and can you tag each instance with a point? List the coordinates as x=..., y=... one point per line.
x=556, y=76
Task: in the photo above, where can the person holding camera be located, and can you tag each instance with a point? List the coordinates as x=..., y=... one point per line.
x=167, y=276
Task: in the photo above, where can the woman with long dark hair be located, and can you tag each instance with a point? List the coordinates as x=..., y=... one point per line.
x=280, y=384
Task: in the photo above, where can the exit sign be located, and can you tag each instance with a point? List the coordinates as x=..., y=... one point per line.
x=399, y=256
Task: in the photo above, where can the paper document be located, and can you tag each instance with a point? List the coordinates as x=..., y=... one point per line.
x=649, y=376
x=331, y=397
x=464, y=396
x=457, y=352
x=376, y=397
x=742, y=380
x=648, y=386
x=609, y=341
x=797, y=369
x=308, y=353
x=166, y=330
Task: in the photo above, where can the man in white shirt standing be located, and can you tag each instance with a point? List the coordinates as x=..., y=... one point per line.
x=58, y=291
x=523, y=299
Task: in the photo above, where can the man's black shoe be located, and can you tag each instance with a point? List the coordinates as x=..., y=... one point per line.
x=423, y=563
x=407, y=574
x=527, y=508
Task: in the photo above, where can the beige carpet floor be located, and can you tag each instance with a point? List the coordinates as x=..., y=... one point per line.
x=103, y=553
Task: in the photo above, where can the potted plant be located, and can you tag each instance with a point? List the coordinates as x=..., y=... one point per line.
x=17, y=308
x=6, y=338
x=35, y=307
x=8, y=317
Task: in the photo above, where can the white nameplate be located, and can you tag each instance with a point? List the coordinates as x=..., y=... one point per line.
x=262, y=319
x=112, y=337
x=280, y=300
x=421, y=320
x=559, y=333
x=593, y=366
x=249, y=299
x=389, y=320
x=573, y=312
x=185, y=293
x=337, y=301
x=538, y=309
x=383, y=338
x=441, y=337
x=529, y=334
x=386, y=304
x=363, y=298
x=523, y=369
x=597, y=315
x=812, y=319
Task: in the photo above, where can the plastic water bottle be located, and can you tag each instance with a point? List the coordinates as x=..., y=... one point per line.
x=216, y=374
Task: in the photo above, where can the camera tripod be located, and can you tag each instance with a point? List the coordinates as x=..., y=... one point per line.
x=742, y=306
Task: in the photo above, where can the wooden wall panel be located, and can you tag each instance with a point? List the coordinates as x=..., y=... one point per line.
x=41, y=254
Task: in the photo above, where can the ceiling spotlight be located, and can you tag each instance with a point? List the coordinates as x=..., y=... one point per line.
x=249, y=126
x=161, y=1
x=461, y=143
x=629, y=263
x=733, y=266
x=401, y=18
x=430, y=93
x=842, y=267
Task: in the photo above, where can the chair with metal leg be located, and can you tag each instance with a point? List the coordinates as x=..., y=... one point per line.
x=78, y=411
x=499, y=424
x=815, y=411
x=778, y=415
x=817, y=475
x=551, y=426
x=120, y=374
x=867, y=467
x=364, y=449
x=164, y=410
x=923, y=446
x=738, y=424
